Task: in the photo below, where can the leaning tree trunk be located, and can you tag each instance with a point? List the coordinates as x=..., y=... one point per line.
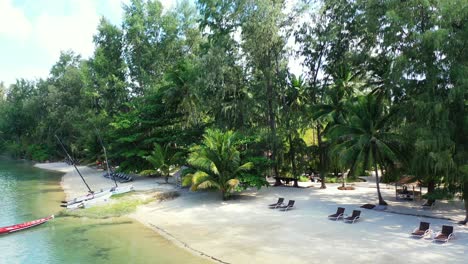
x=465, y=198
x=377, y=180
x=322, y=158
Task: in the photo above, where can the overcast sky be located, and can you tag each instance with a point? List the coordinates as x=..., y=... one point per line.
x=33, y=32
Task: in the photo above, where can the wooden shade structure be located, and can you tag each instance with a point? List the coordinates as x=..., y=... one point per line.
x=406, y=188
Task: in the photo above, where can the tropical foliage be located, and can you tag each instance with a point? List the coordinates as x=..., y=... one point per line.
x=164, y=159
x=218, y=163
x=383, y=88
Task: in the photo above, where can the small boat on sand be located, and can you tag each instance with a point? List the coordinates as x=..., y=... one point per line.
x=86, y=197
x=89, y=203
x=25, y=225
x=91, y=196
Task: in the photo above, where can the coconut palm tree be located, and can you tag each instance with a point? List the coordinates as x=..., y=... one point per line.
x=364, y=138
x=217, y=162
x=162, y=160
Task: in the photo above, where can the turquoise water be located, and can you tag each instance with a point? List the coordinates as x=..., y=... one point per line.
x=28, y=193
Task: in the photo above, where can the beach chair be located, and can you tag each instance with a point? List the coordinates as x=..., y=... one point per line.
x=339, y=214
x=354, y=217
x=445, y=235
x=287, y=207
x=277, y=204
x=422, y=231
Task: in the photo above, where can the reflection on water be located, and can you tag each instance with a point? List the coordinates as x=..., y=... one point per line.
x=29, y=193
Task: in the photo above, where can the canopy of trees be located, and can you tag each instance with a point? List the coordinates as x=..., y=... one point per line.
x=384, y=89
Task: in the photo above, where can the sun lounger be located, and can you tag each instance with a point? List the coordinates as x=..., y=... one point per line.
x=339, y=214
x=354, y=217
x=422, y=231
x=277, y=204
x=445, y=235
x=287, y=207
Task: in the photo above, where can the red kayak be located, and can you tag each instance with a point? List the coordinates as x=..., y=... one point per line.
x=25, y=225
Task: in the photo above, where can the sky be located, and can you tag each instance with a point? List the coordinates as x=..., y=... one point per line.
x=33, y=32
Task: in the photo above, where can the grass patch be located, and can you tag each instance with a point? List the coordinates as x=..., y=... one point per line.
x=122, y=206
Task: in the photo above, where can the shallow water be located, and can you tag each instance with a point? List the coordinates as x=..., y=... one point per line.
x=28, y=193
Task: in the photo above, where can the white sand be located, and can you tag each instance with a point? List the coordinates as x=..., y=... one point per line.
x=244, y=230
x=73, y=186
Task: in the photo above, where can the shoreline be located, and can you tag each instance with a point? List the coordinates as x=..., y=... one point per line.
x=243, y=230
x=74, y=188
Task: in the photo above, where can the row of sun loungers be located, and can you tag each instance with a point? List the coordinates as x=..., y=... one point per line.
x=423, y=231
x=280, y=205
x=442, y=236
x=340, y=215
x=121, y=177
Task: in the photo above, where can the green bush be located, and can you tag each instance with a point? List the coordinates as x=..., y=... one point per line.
x=13, y=149
x=304, y=179
x=254, y=177
x=331, y=180
x=439, y=194
x=37, y=153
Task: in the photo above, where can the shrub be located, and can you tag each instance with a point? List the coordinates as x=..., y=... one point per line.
x=304, y=179
x=331, y=180
x=37, y=153
x=13, y=149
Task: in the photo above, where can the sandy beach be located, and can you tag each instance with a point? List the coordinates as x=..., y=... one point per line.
x=244, y=230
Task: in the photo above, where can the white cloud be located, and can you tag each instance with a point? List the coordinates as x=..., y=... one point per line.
x=13, y=22
x=58, y=32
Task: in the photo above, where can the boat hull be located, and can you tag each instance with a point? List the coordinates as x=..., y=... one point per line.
x=91, y=202
x=25, y=225
x=87, y=197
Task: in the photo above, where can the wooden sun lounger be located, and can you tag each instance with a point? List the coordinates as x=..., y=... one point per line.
x=277, y=204
x=287, y=207
x=422, y=231
x=339, y=214
x=354, y=217
x=445, y=235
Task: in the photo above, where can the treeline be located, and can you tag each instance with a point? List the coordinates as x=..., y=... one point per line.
x=385, y=88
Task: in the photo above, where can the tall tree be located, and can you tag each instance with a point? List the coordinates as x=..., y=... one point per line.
x=108, y=70
x=150, y=43
x=264, y=34
x=365, y=139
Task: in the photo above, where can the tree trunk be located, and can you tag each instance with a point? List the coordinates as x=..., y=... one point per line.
x=344, y=179
x=465, y=198
x=377, y=180
x=321, y=158
x=272, y=124
x=225, y=195
x=430, y=189
x=292, y=155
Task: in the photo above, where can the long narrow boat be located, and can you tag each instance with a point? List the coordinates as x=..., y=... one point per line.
x=25, y=225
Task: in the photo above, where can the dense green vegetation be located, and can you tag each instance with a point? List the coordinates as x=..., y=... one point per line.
x=385, y=88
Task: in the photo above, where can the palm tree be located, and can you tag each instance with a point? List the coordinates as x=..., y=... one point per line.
x=217, y=162
x=363, y=139
x=162, y=160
